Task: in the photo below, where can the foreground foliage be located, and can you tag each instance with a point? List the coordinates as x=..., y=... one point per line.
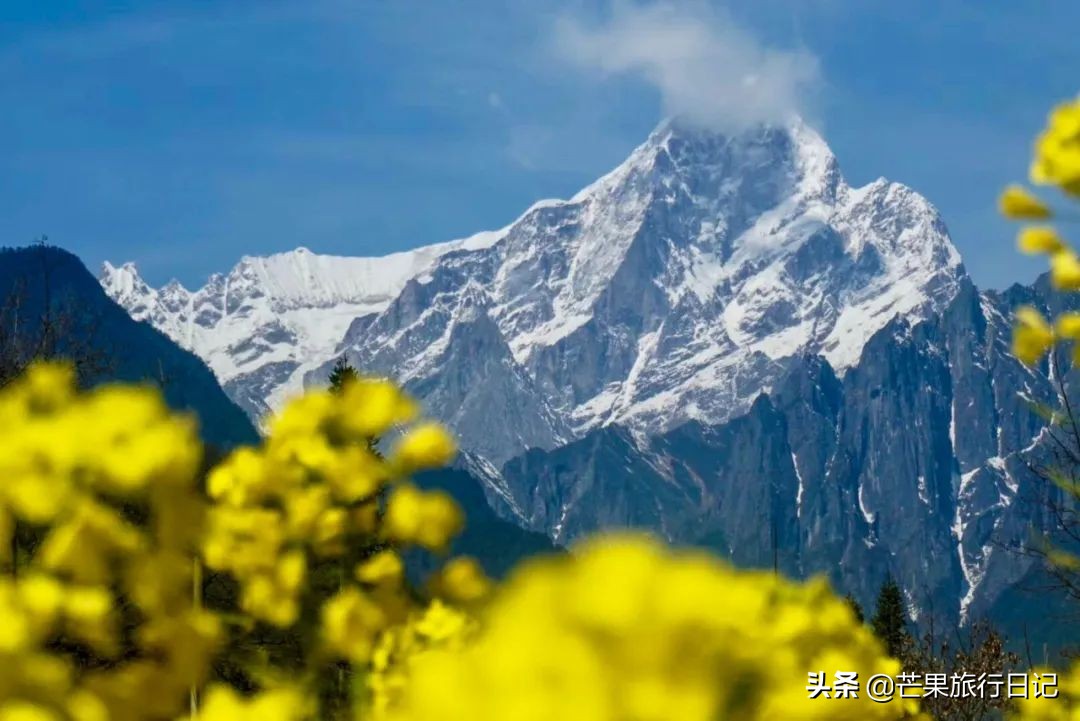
x=278, y=590
x=1056, y=163
x=625, y=629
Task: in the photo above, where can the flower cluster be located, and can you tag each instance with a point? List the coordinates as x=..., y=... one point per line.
x=626, y=629
x=1057, y=150
x=311, y=491
x=438, y=627
x=1056, y=163
x=105, y=530
x=97, y=615
x=1063, y=704
x=108, y=532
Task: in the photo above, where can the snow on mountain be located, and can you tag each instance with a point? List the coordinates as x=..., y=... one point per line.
x=675, y=287
x=273, y=318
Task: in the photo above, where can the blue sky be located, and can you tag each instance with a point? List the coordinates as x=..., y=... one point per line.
x=185, y=134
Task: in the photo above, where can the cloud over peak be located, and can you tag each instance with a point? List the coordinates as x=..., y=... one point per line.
x=706, y=68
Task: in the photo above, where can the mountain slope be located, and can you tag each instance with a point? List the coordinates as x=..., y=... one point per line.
x=129, y=350
x=720, y=341
x=914, y=463
x=270, y=319
x=674, y=288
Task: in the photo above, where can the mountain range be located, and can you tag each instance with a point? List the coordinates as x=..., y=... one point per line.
x=46, y=286
x=720, y=341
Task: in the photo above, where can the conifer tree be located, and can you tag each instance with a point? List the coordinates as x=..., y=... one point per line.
x=890, y=622
x=341, y=374
x=330, y=576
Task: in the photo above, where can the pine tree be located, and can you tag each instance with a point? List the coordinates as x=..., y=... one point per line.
x=890, y=622
x=335, y=691
x=341, y=374
x=855, y=608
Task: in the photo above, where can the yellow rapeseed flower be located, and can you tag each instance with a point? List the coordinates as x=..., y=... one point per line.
x=426, y=445
x=370, y=408
x=86, y=545
x=41, y=597
x=385, y=567
x=462, y=580
x=1032, y=335
x=1063, y=703
x=1057, y=150
x=351, y=623
x=303, y=416
x=1039, y=239
x=26, y=711
x=49, y=386
x=356, y=474
x=241, y=479
x=1018, y=203
x=427, y=518
x=1067, y=325
x=656, y=636
x=74, y=464
x=224, y=704
x=328, y=537
x=1065, y=271
x=442, y=624
x=437, y=627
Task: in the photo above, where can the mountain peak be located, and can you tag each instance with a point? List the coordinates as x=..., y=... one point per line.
x=123, y=281
x=770, y=162
x=128, y=268
x=780, y=137
x=675, y=287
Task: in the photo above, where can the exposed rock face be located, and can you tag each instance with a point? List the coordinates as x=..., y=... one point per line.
x=270, y=320
x=914, y=463
x=720, y=341
x=672, y=289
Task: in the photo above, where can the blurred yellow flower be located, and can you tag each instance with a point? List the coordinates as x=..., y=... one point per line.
x=1057, y=150
x=1020, y=204
x=625, y=629
x=399, y=647
x=426, y=445
x=462, y=580
x=283, y=704
x=427, y=518
x=25, y=711
x=351, y=623
x=1065, y=271
x=1039, y=239
x=1067, y=325
x=385, y=567
x=370, y=408
x=1032, y=335
x=1052, y=695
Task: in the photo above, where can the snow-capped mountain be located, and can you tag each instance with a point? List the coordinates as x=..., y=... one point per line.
x=271, y=319
x=915, y=463
x=670, y=289
x=720, y=340
x=673, y=288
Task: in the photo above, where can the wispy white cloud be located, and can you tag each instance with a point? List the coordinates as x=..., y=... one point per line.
x=706, y=68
